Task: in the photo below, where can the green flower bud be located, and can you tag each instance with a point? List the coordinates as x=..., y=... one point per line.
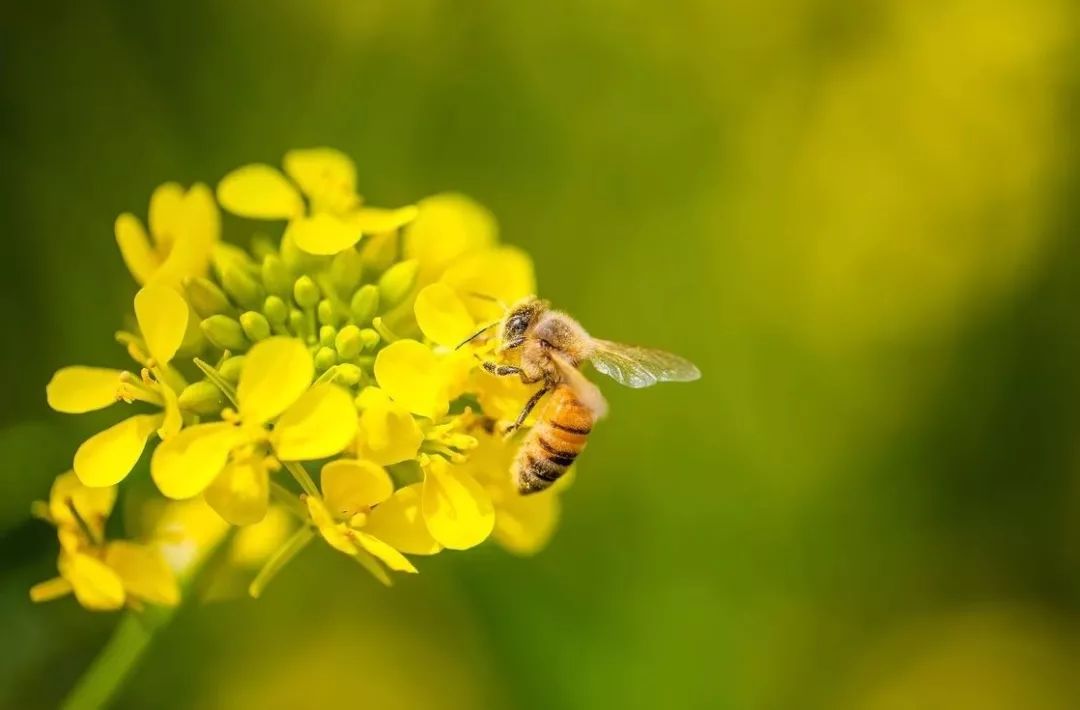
x=225, y=333
x=306, y=293
x=255, y=326
x=206, y=298
x=342, y=374
x=327, y=333
x=370, y=338
x=365, y=304
x=346, y=270
x=298, y=324
x=276, y=311
x=262, y=246
x=396, y=283
x=348, y=342
x=326, y=312
x=230, y=369
x=275, y=276
x=241, y=286
x=202, y=398
x=325, y=358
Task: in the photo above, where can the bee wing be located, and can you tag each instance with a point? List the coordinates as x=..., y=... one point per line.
x=587, y=392
x=637, y=367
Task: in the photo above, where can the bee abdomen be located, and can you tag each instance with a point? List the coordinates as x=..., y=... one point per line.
x=554, y=443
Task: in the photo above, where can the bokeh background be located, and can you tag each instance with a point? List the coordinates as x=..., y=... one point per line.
x=859, y=218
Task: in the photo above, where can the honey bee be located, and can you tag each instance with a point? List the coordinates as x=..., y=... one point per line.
x=552, y=346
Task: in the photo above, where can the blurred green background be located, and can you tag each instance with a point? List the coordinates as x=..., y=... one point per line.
x=859, y=219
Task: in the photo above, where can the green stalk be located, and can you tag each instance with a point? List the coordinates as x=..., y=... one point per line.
x=133, y=635
x=118, y=659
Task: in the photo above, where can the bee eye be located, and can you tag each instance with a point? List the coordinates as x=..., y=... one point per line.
x=516, y=325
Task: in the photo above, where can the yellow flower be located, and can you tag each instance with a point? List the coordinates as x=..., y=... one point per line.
x=335, y=218
x=387, y=433
x=103, y=575
x=361, y=515
x=523, y=524
x=230, y=460
x=184, y=227
x=456, y=508
x=447, y=227
x=107, y=457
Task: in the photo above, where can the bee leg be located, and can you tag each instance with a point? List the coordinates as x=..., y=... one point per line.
x=500, y=370
x=525, y=411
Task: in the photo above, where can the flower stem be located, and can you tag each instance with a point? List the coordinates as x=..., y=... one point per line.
x=119, y=657
x=302, y=477
x=132, y=637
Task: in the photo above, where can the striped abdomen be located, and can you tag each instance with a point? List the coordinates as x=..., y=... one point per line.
x=554, y=442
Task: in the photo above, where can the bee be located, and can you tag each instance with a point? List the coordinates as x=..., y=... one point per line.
x=551, y=347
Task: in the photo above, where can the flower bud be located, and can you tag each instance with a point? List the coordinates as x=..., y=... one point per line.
x=348, y=342
x=298, y=324
x=396, y=283
x=325, y=358
x=370, y=338
x=255, y=326
x=327, y=314
x=275, y=276
x=344, y=373
x=305, y=292
x=365, y=304
x=276, y=311
x=202, y=398
x=230, y=369
x=206, y=298
x=240, y=285
x=224, y=332
x=346, y=270
x=326, y=335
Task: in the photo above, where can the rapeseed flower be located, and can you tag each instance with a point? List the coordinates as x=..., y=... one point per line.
x=333, y=347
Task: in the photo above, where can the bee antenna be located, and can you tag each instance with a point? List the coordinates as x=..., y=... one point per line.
x=476, y=335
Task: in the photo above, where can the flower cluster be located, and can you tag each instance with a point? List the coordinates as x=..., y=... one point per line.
x=331, y=348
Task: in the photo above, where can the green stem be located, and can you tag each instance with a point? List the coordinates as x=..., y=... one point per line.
x=302, y=477
x=132, y=637
x=118, y=659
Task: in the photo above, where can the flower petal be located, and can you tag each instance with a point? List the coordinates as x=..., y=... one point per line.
x=139, y=257
x=321, y=423
x=187, y=463
x=162, y=314
x=442, y=316
x=321, y=171
x=143, y=572
x=78, y=389
x=447, y=226
x=166, y=214
x=93, y=504
x=276, y=372
x=388, y=555
x=97, y=587
x=108, y=456
x=504, y=273
x=524, y=524
x=323, y=233
x=334, y=533
x=241, y=492
x=50, y=589
x=399, y=522
x=409, y=372
x=377, y=220
x=387, y=434
x=350, y=486
x=259, y=191
x=456, y=508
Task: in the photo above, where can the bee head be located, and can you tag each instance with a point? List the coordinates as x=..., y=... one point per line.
x=518, y=320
